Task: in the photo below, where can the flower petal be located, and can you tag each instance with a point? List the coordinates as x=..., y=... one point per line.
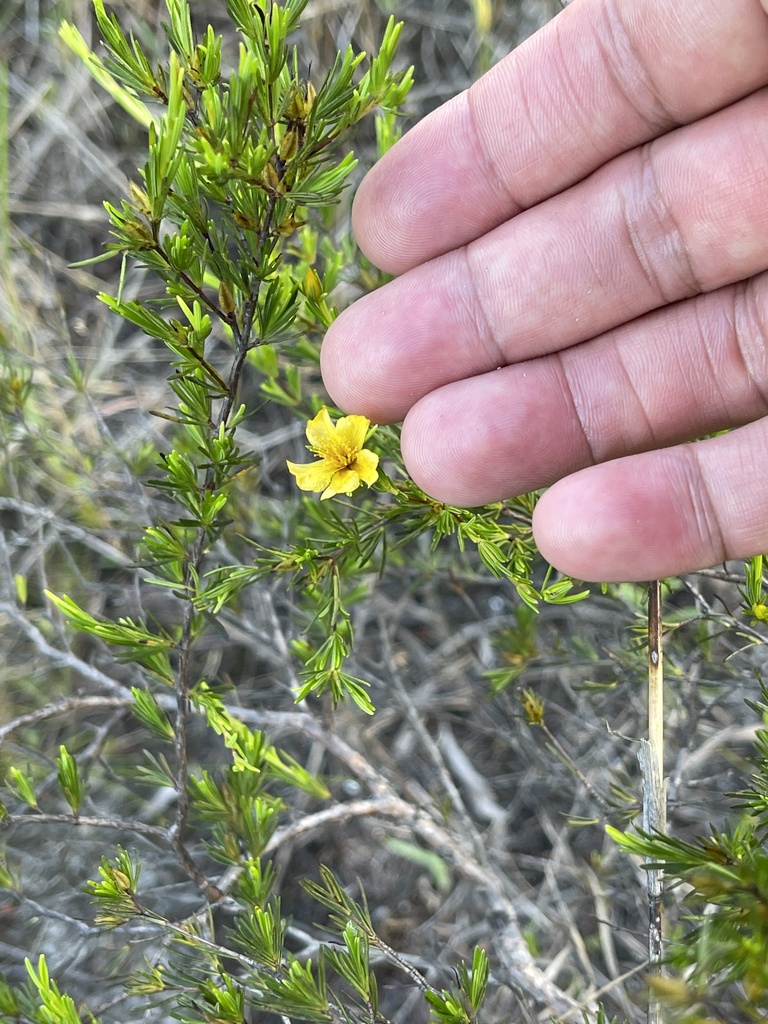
x=344, y=482
x=320, y=430
x=351, y=431
x=312, y=476
x=365, y=464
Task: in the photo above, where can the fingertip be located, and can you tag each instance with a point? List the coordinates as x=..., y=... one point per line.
x=428, y=194
x=360, y=371
x=428, y=444
x=340, y=367
x=625, y=521
x=577, y=540
x=378, y=222
x=483, y=439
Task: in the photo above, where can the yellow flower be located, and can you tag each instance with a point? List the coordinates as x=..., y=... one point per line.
x=343, y=462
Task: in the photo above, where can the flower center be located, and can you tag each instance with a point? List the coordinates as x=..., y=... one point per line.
x=338, y=454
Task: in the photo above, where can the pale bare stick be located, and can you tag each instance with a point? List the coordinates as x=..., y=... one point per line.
x=651, y=758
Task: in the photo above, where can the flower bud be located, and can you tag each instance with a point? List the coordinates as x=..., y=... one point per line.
x=289, y=145
x=226, y=298
x=311, y=286
x=271, y=178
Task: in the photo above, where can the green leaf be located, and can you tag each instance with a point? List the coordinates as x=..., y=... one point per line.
x=147, y=648
x=148, y=711
x=115, y=891
x=21, y=786
x=69, y=779
x=55, y=1006
x=261, y=934
x=139, y=111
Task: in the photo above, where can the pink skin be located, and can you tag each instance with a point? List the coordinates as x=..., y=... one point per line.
x=582, y=240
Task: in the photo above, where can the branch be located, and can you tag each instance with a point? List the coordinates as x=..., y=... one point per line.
x=64, y=659
x=62, y=707
x=82, y=820
x=101, y=547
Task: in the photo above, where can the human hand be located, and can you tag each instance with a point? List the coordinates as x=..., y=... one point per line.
x=583, y=244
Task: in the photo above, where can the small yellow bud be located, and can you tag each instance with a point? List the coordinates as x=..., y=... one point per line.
x=311, y=96
x=271, y=178
x=226, y=298
x=289, y=145
x=533, y=707
x=288, y=226
x=139, y=198
x=138, y=232
x=121, y=880
x=194, y=69
x=297, y=108
x=243, y=222
x=311, y=285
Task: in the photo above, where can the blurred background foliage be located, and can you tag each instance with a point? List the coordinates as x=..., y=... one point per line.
x=449, y=650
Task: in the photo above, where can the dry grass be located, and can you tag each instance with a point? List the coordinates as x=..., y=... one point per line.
x=504, y=867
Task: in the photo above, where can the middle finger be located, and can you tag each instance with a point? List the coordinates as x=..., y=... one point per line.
x=685, y=214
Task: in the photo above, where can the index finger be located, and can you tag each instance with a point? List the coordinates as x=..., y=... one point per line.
x=602, y=77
